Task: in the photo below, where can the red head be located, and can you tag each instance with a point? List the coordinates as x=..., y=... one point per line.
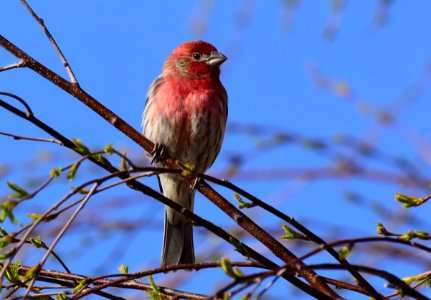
x=194, y=59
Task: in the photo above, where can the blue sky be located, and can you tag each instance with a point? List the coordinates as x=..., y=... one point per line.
x=116, y=49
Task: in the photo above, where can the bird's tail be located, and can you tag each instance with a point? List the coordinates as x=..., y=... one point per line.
x=178, y=234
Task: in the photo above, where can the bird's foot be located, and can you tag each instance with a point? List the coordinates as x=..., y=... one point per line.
x=158, y=151
x=195, y=183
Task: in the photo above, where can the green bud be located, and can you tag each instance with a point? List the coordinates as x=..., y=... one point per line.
x=242, y=203
x=37, y=242
x=123, y=269
x=55, y=172
x=80, y=147
x=72, y=172
x=108, y=149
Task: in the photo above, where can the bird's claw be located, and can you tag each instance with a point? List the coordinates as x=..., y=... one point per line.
x=195, y=183
x=157, y=152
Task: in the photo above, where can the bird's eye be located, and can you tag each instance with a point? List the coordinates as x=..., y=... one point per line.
x=196, y=56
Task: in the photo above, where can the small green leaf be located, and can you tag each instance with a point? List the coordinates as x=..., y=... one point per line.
x=62, y=296
x=382, y=230
x=7, y=208
x=32, y=272
x=34, y=216
x=55, y=172
x=19, y=191
x=290, y=234
x=411, y=201
x=188, y=169
x=422, y=235
x=246, y=296
x=231, y=271
x=242, y=203
x=123, y=164
x=8, y=254
x=123, y=269
x=239, y=247
x=238, y=273
x=417, y=278
x=12, y=271
x=37, y=242
x=344, y=252
x=83, y=191
x=154, y=292
x=80, y=147
x=109, y=149
x=226, y=266
x=409, y=235
x=3, y=231
x=72, y=171
x=5, y=240
x=100, y=159
x=81, y=284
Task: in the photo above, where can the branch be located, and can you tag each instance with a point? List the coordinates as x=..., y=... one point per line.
x=29, y=138
x=242, y=220
x=71, y=280
x=394, y=280
x=16, y=65
x=364, y=283
x=62, y=232
x=368, y=240
x=124, y=175
x=53, y=42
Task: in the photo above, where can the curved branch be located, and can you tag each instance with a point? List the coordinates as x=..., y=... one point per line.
x=367, y=240
x=152, y=193
x=241, y=219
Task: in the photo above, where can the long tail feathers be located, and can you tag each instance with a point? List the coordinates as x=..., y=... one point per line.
x=178, y=242
x=178, y=234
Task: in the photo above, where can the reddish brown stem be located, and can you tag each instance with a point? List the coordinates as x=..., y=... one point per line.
x=276, y=247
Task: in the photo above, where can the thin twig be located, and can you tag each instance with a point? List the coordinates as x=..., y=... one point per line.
x=53, y=42
x=124, y=278
x=270, y=284
x=38, y=296
x=29, y=138
x=61, y=233
x=234, y=213
x=19, y=64
x=53, y=253
x=368, y=240
x=70, y=280
x=29, y=112
x=394, y=280
x=317, y=289
x=361, y=280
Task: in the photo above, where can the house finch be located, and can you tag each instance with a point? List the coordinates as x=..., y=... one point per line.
x=185, y=113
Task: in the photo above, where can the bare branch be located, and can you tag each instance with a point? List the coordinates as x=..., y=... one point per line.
x=368, y=240
x=20, y=64
x=28, y=113
x=241, y=219
x=28, y=138
x=53, y=42
x=61, y=233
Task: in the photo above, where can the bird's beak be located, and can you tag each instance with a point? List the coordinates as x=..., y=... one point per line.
x=215, y=59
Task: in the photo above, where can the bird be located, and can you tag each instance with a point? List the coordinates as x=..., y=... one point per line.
x=185, y=114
